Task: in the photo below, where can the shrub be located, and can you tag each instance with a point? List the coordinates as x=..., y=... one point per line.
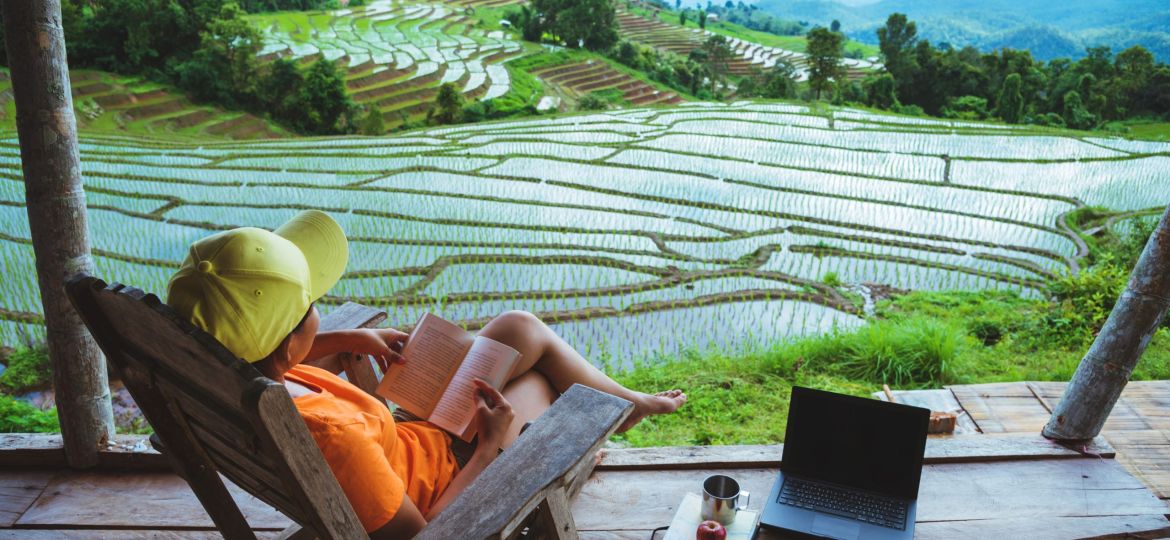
x=19, y=417
x=913, y=352
x=592, y=102
x=1084, y=301
x=28, y=369
x=831, y=279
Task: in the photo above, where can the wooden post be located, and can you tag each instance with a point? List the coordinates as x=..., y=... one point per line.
x=1106, y=368
x=56, y=213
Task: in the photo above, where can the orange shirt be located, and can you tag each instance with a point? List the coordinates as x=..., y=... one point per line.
x=375, y=460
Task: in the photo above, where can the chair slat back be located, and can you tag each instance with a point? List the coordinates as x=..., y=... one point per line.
x=206, y=404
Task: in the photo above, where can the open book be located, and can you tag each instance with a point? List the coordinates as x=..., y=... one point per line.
x=435, y=383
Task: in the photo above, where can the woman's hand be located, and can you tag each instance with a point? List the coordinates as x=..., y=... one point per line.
x=493, y=416
x=383, y=344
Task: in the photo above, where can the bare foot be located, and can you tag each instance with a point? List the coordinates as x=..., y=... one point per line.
x=660, y=403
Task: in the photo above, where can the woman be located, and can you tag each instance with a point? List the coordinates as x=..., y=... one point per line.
x=254, y=291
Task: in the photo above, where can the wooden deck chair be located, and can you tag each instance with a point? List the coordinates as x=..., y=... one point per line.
x=216, y=414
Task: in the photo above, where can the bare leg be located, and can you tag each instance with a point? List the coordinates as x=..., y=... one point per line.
x=530, y=395
x=544, y=351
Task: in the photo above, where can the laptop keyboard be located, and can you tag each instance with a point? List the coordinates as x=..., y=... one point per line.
x=844, y=502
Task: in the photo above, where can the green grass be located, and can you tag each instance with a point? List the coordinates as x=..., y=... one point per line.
x=792, y=43
x=1143, y=129
x=28, y=368
x=923, y=339
x=19, y=417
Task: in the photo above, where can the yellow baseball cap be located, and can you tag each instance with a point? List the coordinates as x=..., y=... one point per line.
x=250, y=288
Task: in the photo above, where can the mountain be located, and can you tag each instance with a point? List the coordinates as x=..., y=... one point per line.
x=1048, y=29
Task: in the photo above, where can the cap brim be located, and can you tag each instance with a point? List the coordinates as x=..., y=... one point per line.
x=324, y=245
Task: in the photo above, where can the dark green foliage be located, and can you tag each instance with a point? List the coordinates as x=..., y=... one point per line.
x=824, y=59
x=28, y=368
x=881, y=91
x=715, y=54
x=835, y=26
x=1076, y=116
x=681, y=74
x=19, y=417
x=313, y=101
x=207, y=48
x=589, y=24
x=682, y=18
x=943, y=81
x=448, y=107
x=592, y=102
x=1011, y=102
x=373, y=123
x=703, y=19
x=327, y=102
x=896, y=40
x=223, y=69
x=967, y=108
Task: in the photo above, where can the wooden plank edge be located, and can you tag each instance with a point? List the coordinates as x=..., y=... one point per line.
x=939, y=450
x=47, y=450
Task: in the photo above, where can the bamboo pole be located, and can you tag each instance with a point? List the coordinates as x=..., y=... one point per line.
x=1106, y=368
x=55, y=203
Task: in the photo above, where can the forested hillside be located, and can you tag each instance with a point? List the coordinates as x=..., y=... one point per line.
x=1047, y=29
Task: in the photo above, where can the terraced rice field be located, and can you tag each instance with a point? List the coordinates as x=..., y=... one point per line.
x=635, y=232
x=581, y=78
x=109, y=102
x=397, y=53
x=676, y=39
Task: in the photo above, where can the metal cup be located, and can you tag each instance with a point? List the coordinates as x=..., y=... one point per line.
x=721, y=496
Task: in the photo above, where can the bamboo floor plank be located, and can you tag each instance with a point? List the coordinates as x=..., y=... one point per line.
x=1136, y=427
x=143, y=500
x=956, y=499
x=950, y=492
x=18, y=491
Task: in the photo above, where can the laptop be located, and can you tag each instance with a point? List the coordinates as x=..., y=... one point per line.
x=850, y=468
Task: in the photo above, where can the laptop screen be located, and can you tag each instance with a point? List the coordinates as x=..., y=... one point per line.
x=856, y=442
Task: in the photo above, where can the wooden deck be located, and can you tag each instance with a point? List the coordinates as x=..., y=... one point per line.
x=998, y=479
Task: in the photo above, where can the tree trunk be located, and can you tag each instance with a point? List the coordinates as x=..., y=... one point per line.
x=1102, y=374
x=56, y=213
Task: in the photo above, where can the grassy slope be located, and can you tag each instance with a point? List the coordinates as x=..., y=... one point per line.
x=743, y=399
x=917, y=340
x=792, y=43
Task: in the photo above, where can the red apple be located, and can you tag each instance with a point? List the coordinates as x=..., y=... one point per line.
x=711, y=530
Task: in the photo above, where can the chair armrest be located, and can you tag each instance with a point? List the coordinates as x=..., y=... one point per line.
x=560, y=445
x=357, y=368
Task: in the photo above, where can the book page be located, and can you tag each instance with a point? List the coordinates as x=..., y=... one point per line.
x=433, y=353
x=487, y=359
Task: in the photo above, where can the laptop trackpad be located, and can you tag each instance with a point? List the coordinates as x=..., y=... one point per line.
x=832, y=527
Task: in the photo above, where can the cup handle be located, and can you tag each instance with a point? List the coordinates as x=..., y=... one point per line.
x=745, y=497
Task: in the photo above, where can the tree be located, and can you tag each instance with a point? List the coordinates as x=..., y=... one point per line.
x=967, y=108
x=716, y=54
x=55, y=204
x=325, y=98
x=283, y=87
x=881, y=91
x=896, y=40
x=373, y=123
x=591, y=24
x=780, y=82
x=703, y=20
x=1076, y=116
x=835, y=26
x=824, y=59
x=235, y=42
x=1011, y=104
x=448, y=108
x=682, y=18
